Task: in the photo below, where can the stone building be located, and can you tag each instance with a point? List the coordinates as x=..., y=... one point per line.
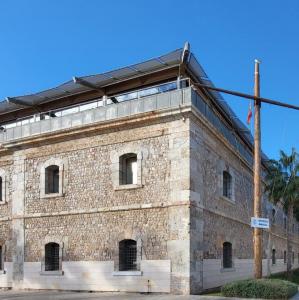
x=131, y=180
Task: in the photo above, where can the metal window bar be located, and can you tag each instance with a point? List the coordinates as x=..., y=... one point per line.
x=227, y=185
x=1, y=258
x=128, y=255
x=1, y=183
x=52, y=179
x=273, y=257
x=227, y=255
x=52, y=257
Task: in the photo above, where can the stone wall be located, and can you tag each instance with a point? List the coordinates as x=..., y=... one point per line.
x=216, y=219
x=175, y=212
x=92, y=214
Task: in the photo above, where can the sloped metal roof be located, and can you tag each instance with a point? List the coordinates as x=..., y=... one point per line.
x=239, y=126
x=168, y=60
x=71, y=88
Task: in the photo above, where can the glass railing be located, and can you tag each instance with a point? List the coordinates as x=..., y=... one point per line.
x=136, y=94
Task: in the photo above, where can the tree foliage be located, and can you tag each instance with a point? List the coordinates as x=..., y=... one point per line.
x=282, y=180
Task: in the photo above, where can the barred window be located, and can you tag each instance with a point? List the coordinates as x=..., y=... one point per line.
x=127, y=255
x=293, y=257
x=227, y=255
x=52, y=179
x=128, y=169
x=1, y=259
x=51, y=257
x=273, y=256
x=1, y=183
x=227, y=184
x=284, y=257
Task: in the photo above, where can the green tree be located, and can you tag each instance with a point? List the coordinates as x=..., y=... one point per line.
x=282, y=185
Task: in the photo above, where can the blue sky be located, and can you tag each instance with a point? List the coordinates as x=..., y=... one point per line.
x=44, y=43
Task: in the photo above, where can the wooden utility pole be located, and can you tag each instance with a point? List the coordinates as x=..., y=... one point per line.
x=257, y=235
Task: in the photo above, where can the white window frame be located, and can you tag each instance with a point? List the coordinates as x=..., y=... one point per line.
x=43, y=263
x=232, y=268
x=224, y=167
x=115, y=157
x=138, y=271
x=62, y=166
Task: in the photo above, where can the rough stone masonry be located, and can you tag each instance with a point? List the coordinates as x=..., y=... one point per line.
x=190, y=227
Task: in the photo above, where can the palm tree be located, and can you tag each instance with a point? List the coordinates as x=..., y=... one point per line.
x=282, y=185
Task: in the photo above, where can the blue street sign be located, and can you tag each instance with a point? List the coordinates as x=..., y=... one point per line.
x=260, y=223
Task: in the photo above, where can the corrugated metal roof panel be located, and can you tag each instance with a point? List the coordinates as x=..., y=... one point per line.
x=99, y=80
x=159, y=63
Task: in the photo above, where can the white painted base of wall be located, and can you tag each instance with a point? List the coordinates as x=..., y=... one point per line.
x=6, y=276
x=215, y=276
x=99, y=276
x=154, y=277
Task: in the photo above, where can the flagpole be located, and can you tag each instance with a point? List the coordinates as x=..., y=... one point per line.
x=257, y=233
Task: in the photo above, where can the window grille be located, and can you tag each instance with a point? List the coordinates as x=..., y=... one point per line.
x=127, y=255
x=227, y=184
x=293, y=257
x=273, y=257
x=52, y=179
x=284, y=257
x=1, y=258
x=128, y=169
x=227, y=255
x=52, y=257
x=1, y=183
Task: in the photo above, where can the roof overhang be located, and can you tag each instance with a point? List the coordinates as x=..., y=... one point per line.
x=80, y=89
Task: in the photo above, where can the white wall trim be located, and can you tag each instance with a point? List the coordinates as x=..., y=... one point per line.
x=62, y=164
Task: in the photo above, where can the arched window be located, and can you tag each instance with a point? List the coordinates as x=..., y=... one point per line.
x=128, y=169
x=227, y=255
x=52, y=179
x=227, y=185
x=284, y=257
x=293, y=257
x=1, y=186
x=1, y=259
x=127, y=255
x=52, y=257
x=273, y=256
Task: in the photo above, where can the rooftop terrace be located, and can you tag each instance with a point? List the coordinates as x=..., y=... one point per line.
x=26, y=116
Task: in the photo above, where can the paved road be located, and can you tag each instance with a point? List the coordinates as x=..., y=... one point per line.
x=53, y=295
